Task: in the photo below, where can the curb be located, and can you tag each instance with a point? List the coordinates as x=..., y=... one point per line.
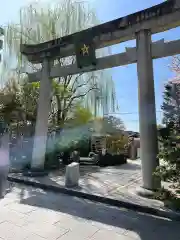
x=101, y=199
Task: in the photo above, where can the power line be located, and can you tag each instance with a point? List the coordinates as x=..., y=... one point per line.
x=128, y=113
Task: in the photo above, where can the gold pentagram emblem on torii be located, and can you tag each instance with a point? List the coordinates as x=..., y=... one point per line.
x=85, y=50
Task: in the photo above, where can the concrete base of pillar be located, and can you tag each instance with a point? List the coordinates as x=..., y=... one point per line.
x=143, y=192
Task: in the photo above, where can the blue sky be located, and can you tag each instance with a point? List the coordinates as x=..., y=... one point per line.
x=125, y=78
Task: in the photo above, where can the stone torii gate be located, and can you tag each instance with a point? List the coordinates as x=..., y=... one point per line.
x=140, y=26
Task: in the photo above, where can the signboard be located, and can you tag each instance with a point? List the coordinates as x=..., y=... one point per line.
x=104, y=32
x=85, y=51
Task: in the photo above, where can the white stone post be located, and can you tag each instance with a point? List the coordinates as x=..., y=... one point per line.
x=147, y=111
x=41, y=129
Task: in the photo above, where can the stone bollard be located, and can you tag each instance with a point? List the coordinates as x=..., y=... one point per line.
x=72, y=175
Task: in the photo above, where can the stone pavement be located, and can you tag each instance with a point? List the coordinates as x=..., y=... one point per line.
x=100, y=180
x=32, y=214
x=119, y=182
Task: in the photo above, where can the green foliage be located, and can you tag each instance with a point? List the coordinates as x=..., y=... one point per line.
x=83, y=146
x=40, y=22
x=80, y=117
x=109, y=125
x=113, y=125
x=51, y=160
x=170, y=199
x=19, y=101
x=29, y=99
x=171, y=104
x=169, y=136
x=10, y=105
x=163, y=194
x=116, y=144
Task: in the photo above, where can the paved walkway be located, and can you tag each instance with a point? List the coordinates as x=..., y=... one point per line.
x=119, y=182
x=33, y=214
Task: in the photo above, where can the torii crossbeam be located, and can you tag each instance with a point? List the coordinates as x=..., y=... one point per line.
x=139, y=26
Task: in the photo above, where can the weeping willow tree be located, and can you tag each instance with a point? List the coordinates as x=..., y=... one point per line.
x=39, y=22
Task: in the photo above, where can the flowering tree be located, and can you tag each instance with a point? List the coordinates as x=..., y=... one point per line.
x=169, y=136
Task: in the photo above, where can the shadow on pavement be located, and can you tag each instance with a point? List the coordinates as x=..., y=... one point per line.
x=92, y=178
x=130, y=166
x=146, y=227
